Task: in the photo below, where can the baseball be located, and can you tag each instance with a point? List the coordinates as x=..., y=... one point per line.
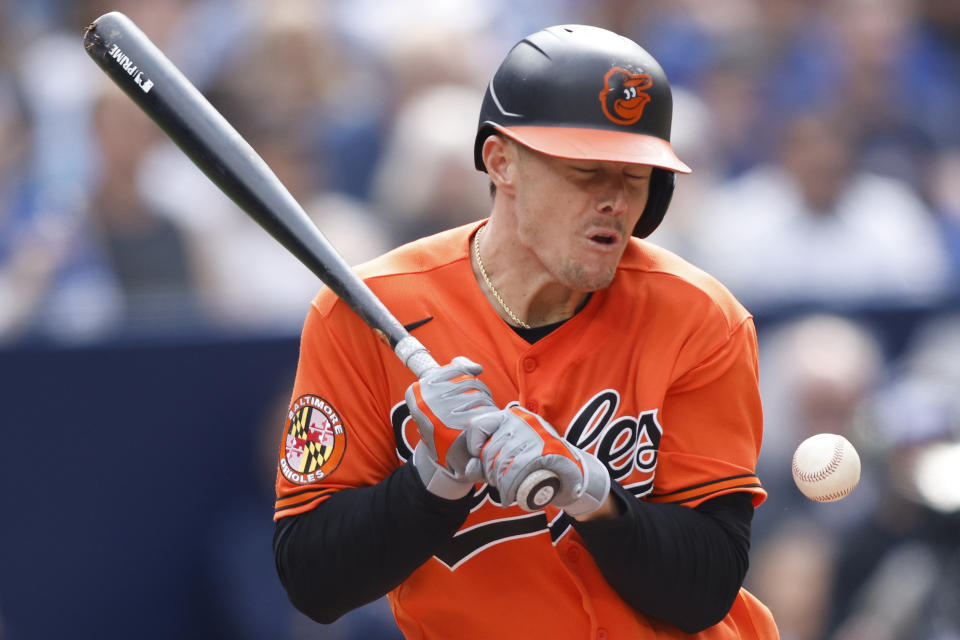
x=826, y=467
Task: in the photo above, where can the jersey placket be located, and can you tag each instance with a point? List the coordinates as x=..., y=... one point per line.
x=533, y=372
x=526, y=378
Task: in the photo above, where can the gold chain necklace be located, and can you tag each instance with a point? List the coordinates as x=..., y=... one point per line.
x=486, y=278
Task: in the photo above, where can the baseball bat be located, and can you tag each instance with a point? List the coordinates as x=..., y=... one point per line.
x=155, y=85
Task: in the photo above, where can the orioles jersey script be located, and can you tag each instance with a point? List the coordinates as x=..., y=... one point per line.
x=656, y=376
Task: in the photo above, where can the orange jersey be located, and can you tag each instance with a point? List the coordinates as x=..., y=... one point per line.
x=656, y=376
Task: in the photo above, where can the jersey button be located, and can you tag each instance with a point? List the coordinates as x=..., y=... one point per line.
x=601, y=634
x=529, y=364
x=573, y=554
x=533, y=405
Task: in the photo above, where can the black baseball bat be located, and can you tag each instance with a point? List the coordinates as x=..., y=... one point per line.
x=154, y=83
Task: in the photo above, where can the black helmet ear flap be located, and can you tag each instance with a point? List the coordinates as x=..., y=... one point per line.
x=662, y=182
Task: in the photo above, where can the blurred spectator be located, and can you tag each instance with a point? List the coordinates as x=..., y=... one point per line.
x=147, y=253
x=944, y=190
x=730, y=90
x=53, y=282
x=813, y=229
x=792, y=572
x=934, y=353
x=730, y=55
x=942, y=18
x=694, y=138
x=84, y=257
x=18, y=288
x=295, y=68
x=898, y=120
x=426, y=180
x=817, y=374
x=248, y=281
x=898, y=571
x=423, y=46
x=893, y=78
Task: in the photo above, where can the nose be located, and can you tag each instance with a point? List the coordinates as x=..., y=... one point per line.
x=612, y=198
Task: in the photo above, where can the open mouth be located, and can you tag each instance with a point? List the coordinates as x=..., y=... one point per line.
x=603, y=238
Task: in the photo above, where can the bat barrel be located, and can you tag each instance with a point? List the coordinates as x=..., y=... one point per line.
x=154, y=83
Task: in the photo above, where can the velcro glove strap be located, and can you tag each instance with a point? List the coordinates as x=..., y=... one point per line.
x=438, y=480
x=595, y=488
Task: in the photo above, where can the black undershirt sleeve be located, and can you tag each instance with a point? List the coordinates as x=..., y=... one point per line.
x=361, y=543
x=678, y=565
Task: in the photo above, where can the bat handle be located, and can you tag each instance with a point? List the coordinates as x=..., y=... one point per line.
x=415, y=356
x=537, y=490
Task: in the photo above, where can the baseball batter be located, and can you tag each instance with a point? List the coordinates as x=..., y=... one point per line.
x=573, y=346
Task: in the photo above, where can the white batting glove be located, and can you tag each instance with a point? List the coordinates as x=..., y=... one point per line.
x=442, y=403
x=513, y=443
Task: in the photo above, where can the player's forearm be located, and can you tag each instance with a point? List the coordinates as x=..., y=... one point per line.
x=679, y=565
x=361, y=543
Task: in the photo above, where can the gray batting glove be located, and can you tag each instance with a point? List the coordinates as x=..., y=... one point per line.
x=513, y=443
x=442, y=403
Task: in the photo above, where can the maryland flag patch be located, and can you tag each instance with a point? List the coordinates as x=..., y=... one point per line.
x=313, y=441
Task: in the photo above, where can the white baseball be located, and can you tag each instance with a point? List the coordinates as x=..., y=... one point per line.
x=826, y=467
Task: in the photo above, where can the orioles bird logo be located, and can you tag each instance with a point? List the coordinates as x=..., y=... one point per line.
x=622, y=97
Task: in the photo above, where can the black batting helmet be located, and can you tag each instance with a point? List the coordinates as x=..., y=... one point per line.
x=585, y=93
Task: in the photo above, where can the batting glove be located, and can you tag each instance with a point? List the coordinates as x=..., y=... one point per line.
x=513, y=443
x=442, y=403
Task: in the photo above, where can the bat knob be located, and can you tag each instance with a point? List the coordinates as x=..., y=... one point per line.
x=537, y=490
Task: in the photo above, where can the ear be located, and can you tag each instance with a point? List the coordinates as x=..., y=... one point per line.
x=500, y=158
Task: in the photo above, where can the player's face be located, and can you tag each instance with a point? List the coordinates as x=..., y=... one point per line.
x=577, y=216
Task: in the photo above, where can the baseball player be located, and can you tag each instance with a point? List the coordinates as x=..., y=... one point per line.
x=574, y=346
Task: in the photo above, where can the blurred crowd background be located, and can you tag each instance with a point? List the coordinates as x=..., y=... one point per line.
x=825, y=142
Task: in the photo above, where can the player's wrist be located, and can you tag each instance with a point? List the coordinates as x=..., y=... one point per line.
x=436, y=479
x=595, y=491
x=610, y=508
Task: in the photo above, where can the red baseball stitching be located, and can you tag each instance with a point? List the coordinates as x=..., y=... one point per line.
x=822, y=473
x=836, y=495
